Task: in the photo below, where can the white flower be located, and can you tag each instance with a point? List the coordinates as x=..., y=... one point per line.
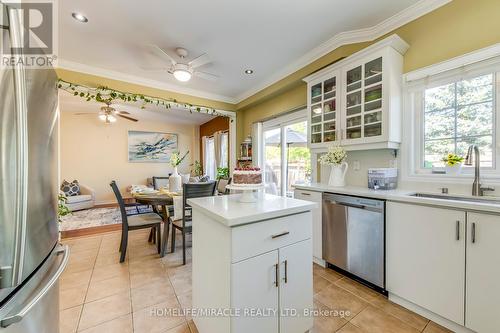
x=335, y=156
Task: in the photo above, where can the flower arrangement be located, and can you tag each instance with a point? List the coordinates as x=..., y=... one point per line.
x=62, y=209
x=176, y=159
x=335, y=156
x=197, y=169
x=452, y=159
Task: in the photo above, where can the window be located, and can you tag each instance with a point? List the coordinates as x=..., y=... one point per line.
x=457, y=115
x=224, y=148
x=209, y=157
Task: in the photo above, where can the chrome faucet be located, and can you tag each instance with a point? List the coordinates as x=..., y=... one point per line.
x=477, y=190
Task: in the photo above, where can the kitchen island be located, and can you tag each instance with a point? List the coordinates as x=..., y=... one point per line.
x=252, y=264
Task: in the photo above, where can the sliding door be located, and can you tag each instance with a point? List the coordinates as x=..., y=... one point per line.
x=286, y=157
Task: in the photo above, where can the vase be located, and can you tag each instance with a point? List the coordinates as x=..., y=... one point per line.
x=453, y=170
x=337, y=174
x=175, y=181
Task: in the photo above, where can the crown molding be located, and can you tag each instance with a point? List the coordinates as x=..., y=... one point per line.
x=115, y=75
x=350, y=37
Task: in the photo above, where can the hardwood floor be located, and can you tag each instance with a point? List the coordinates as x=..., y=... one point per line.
x=98, y=294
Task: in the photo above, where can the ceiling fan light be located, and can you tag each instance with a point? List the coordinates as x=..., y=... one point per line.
x=182, y=75
x=102, y=117
x=112, y=118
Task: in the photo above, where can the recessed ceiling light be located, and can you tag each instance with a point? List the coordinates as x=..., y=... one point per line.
x=80, y=17
x=248, y=71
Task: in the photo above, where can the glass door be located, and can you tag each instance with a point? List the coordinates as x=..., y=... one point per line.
x=324, y=111
x=272, y=160
x=364, y=100
x=287, y=159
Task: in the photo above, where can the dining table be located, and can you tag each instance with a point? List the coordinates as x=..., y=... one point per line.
x=169, y=202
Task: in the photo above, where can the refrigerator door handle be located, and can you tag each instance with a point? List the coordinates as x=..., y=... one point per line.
x=35, y=299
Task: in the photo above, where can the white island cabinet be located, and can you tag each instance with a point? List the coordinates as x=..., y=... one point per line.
x=252, y=267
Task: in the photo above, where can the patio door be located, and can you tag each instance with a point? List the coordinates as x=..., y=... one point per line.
x=286, y=158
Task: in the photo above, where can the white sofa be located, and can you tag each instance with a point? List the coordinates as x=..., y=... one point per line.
x=85, y=200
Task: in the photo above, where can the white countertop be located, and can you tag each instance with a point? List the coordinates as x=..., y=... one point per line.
x=229, y=211
x=403, y=195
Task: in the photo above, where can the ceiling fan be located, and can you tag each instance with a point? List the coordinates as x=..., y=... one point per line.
x=183, y=70
x=108, y=114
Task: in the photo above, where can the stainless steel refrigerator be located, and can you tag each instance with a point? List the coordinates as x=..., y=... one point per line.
x=31, y=260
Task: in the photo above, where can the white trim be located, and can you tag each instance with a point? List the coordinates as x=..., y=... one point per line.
x=349, y=37
x=457, y=62
x=285, y=119
x=115, y=75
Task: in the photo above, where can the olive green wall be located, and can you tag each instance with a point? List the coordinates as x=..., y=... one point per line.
x=459, y=27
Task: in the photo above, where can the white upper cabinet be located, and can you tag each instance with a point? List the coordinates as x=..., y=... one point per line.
x=357, y=101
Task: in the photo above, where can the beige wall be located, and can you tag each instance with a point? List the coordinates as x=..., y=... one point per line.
x=457, y=28
x=95, y=154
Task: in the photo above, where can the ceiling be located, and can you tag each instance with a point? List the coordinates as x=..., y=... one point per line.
x=75, y=104
x=263, y=35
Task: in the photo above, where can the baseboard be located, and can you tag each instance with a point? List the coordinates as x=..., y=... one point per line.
x=429, y=314
x=106, y=205
x=320, y=262
x=91, y=230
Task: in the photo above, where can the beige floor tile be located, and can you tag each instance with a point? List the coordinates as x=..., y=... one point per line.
x=320, y=283
x=74, y=279
x=147, y=276
x=85, y=253
x=68, y=319
x=374, y=320
x=108, y=259
x=119, y=325
x=183, y=328
x=340, y=299
x=72, y=297
x=327, y=273
x=108, y=287
x=432, y=327
x=110, y=271
x=141, y=265
x=409, y=317
x=157, y=318
x=182, y=284
x=83, y=243
x=326, y=321
x=77, y=264
x=180, y=270
x=186, y=302
x=349, y=328
x=357, y=289
x=151, y=294
x=104, y=310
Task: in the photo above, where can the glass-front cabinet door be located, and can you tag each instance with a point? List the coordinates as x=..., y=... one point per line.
x=323, y=110
x=363, y=100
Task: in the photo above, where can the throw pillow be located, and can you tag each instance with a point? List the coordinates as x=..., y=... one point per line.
x=70, y=189
x=204, y=179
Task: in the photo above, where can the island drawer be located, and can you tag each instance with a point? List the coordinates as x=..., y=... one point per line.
x=254, y=239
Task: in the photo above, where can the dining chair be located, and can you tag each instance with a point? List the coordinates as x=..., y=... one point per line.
x=135, y=221
x=159, y=182
x=221, y=185
x=184, y=225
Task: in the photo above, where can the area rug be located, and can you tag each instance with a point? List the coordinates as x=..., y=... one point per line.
x=88, y=218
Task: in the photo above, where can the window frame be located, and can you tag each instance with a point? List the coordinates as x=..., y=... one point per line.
x=413, y=149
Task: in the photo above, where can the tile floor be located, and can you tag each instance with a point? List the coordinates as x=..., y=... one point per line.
x=98, y=294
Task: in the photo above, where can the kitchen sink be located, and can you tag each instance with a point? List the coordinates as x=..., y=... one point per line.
x=457, y=198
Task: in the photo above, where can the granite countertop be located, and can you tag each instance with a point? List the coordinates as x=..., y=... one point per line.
x=230, y=212
x=404, y=195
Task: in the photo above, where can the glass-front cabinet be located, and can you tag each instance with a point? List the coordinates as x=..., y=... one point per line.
x=323, y=111
x=356, y=102
x=363, y=98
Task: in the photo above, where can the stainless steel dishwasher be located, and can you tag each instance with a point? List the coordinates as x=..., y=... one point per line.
x=354, y=236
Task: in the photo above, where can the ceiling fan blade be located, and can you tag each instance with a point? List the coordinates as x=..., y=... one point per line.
x=84, y=113
x=163, y=54
x=199, y=61
x=122, y=112
x=206, y=76
x=128, y=118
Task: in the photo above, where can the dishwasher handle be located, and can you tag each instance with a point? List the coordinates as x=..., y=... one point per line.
x=353, y=205
x=349, y=204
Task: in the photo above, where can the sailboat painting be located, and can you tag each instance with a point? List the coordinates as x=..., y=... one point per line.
x=151, y=146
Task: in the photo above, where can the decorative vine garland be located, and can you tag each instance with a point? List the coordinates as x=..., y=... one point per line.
x=107, y=95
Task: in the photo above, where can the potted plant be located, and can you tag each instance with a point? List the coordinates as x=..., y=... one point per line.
x=62, y=209
x=197, y=170
x=222, y=173
x=453, y=164
x=175, y=180
x=335, y=158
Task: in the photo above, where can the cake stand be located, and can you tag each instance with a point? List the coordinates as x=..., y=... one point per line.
x=247, y=195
